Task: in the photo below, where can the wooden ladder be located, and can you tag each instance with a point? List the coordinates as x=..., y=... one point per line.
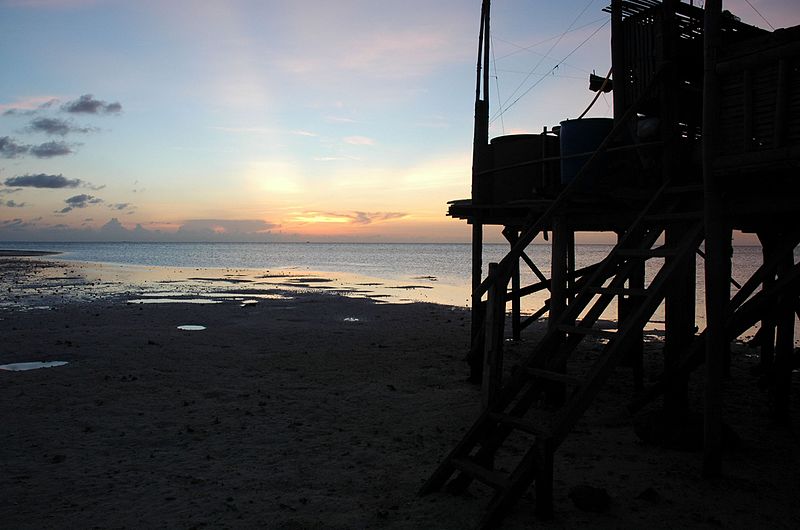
x=542, y=378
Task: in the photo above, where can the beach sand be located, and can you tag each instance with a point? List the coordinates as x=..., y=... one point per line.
x=310, y=410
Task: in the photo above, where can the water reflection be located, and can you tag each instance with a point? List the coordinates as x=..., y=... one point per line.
x=173, y=301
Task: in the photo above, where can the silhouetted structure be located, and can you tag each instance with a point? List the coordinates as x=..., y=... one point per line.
x=705, y=139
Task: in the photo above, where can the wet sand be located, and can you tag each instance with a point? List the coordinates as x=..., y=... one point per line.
x=308, y=410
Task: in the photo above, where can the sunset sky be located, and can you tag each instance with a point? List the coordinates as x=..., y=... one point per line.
x=263, y=120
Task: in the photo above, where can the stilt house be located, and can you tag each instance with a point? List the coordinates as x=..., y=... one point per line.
x=705, y=140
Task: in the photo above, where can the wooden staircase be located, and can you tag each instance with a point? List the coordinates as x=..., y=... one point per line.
x=542, y=400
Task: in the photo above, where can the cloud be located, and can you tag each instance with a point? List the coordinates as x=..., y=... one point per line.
x=300, y=132
x=120, y=205
x=245, y=130
x=334, y=158
x=113, y=228
x=211, y=227
x=9, y=148
x=365, y=218
x=19, y=112
x=28, y=106
x=16, y=224
x=358, y=140
x=42, y=180
x=357, y=218
x=339, y=119
x=51, y=149
x=79, y=201
x=87, y=104
x=6, y=191
x=55, y=126
x=12, y=203
x=194, y=230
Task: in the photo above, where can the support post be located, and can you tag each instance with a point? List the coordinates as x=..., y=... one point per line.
x=559, y=269
x=481, y=160
x=766, y=335
x=512, y=235
x=478, y=312
x=716, y=283
x=626, y=306
x=493, y=348
x=679, y=327
x=618, y=61
x=559, y=295
x=784, y=349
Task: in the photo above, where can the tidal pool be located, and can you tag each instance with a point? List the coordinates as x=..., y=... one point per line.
x=33, y=365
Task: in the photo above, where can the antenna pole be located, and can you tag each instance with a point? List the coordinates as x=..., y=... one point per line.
x=480, y=191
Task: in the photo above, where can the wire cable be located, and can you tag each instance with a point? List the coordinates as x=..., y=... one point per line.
x=759, y=14
x=497, y=87
x=530, y=47
x=595, y=32
x=540, y=61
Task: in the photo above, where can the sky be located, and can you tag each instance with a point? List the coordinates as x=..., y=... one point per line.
x=308, y=120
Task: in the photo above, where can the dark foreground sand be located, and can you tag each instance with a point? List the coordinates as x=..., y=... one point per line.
x=291, y=414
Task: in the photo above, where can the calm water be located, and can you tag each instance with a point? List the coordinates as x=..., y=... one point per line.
x=441, y=264
x=447, y=262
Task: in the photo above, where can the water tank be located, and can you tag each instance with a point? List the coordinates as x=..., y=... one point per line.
x=584, y=136
x=528, y=180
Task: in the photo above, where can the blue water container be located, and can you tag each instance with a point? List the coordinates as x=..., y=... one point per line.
x=584, y=136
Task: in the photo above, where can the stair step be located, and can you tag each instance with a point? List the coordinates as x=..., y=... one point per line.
x=623, y=291
x=537, y=429
x=675, y=216
x=554, y=376
x=492, y=478
x=657, y=252
x=588, y=331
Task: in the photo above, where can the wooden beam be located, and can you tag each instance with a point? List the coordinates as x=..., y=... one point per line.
x=532, y=266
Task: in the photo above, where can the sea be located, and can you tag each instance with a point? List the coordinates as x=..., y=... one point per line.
x=444, y=269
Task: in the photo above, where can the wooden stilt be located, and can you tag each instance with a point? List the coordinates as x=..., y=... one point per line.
x=478, y=313
x=493, y=348
x=715, y=228
x=679, y=310
x=511, y=235
x=784, y=349
x=636, y=352
x=626, y=305
x=558, y=269
x=559, y=272
x=766, y=335
x=570, y=236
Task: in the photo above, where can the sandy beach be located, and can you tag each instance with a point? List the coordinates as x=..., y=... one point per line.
x=300, y=407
